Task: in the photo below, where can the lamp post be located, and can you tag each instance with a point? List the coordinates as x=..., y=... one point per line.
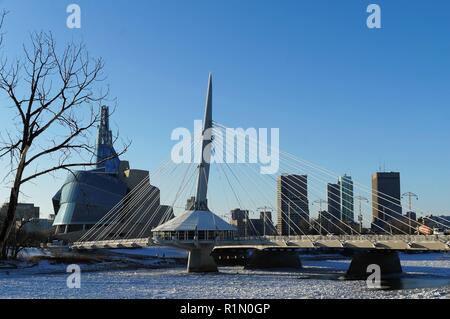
x=289, y=219
x=360, y=216
x=320, y=202
x=410, y=196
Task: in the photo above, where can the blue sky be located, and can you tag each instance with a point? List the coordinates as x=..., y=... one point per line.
x=345, y=97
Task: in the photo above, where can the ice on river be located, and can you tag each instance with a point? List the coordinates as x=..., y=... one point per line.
x=428, y=276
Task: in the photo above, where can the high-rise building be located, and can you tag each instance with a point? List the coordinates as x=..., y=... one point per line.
x=386, y=196
x=347, y=206
x=292, y=205
x=334, y=200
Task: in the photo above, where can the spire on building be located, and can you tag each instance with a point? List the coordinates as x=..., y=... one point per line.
x=106, y=155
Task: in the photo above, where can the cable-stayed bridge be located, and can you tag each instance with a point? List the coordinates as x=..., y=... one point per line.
x=196, y=190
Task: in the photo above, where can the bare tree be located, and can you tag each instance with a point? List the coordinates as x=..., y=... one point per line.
x=55, y=98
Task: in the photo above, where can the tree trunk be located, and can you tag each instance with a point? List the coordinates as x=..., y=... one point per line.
x=9, y=221
x=10, y=218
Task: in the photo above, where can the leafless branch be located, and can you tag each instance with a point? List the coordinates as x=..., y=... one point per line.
x=66, y=166
x=54, y=94
x=2, y=21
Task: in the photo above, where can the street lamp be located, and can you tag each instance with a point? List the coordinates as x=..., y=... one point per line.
x=320, y=202
x=360, y=216
x=410, y=196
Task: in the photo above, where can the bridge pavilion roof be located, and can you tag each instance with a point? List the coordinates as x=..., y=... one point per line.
x=196, y=220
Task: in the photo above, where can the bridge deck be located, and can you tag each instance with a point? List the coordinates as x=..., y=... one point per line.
x=379, y=242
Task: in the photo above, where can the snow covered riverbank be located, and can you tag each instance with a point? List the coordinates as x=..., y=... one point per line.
x=35, y=261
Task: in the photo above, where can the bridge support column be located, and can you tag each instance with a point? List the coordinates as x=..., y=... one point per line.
x=200, y=260
x=388, y=261
x=271, y=259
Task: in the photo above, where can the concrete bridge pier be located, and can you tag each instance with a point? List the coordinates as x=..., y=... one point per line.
x=200, y=260
x=272, y=259
x=388, y=261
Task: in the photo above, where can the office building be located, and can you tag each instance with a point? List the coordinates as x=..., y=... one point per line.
x=347, y=205
x=386, y=196
x=334, y=201
x=292, y=205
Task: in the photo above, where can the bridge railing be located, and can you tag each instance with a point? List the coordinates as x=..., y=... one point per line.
x=269, y=239
x=407, y=238
x=115, y=242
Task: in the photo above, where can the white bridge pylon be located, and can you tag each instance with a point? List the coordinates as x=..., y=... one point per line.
x=199, y=227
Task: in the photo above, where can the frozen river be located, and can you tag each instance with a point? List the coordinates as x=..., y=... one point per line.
x=428, y=276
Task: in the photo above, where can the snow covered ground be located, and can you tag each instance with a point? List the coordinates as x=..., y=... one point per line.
x=428, y=277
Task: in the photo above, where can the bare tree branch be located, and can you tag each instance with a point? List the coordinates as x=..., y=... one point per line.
x=2, y=21
x=65, y=166
x=55, y=112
